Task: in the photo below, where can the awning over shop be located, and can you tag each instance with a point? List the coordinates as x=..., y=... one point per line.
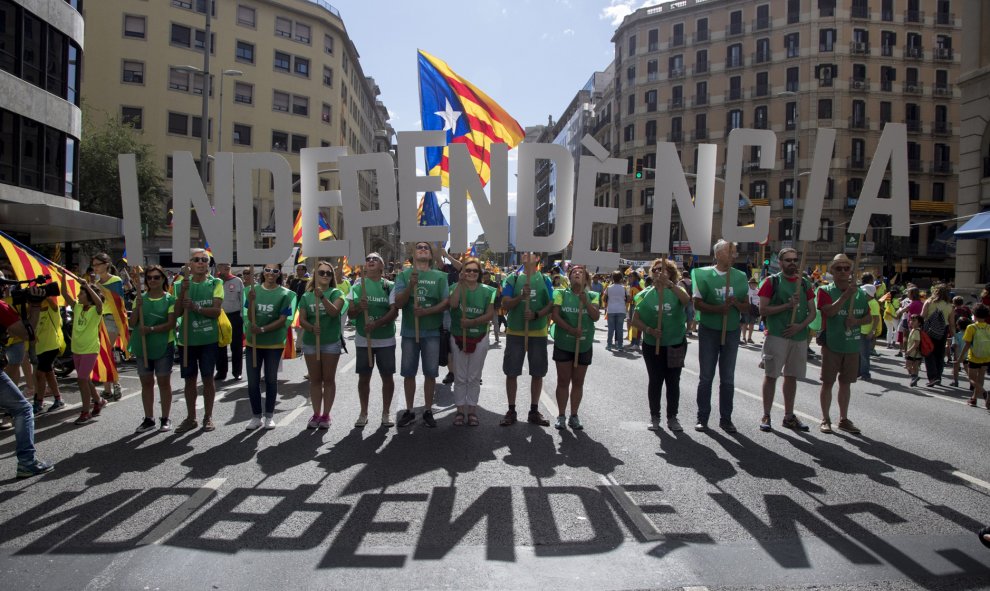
x=978, y=226
x=48, y=224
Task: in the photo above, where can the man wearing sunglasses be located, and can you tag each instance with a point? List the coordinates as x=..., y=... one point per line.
x=233, y=300
x=374, y=319
x=785, y=350
x=421, y=292
x=840, y=353
x=199, y=299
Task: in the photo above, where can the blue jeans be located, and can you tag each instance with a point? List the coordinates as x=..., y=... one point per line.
x=712, y=352
x=12, y=401
x=615, y=328
x=865, y=347
x=267, y=358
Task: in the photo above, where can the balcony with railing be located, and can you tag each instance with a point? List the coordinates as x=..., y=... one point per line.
x=702, y=36
x=762, y=24
x=914, y=52
x=734, y=94
x=676, y=136
x=651, y=140
x=760, y=90
x=700, y=100
x=887, y=50
x=675, y=103
x=915, y=165
x=734, y=29
x=913, y=125
x=859, y=122
x=886, y=85
x=859, y=48
x=945, y=19
x=760, y=123
x=941, y=128
x=676, y=40
x=942, y=90
x=700, y=134
x=762, y=57
x=857, y=163
x=701, y=68
x=943, y=54
x=676, y=72
x=913, y=87
x=859, y=12
x=825, y=82
x=734, y=62
x=859, y=84
x=914, y=16
x=941, y=167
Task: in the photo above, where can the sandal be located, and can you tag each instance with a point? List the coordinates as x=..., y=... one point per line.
x=473, y=420
x=972, y=402
x=509, y=419
x=459, y=419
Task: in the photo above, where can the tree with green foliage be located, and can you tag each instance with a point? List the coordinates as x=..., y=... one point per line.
x=99, y=181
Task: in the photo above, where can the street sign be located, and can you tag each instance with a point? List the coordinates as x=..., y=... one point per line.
x=681, y=247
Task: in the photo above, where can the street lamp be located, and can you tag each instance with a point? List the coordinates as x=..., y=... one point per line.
x=234, y=73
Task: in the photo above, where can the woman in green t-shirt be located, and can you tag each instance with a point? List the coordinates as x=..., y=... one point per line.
x=575, y=311
x=322, y=293
x=663, y=368
x=157, y=307
x=270, y=307
x=87, y=314
x=472, y=307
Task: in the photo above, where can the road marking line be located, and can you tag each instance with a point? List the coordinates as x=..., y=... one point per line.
x=181, y=513
x=293, y=414
x=971, y=479
x=546, y=400
x=696, y=588
x=644, y=524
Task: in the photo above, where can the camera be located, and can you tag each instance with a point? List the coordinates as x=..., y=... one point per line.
x=23, y=295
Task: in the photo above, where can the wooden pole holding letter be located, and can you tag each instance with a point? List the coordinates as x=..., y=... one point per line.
x=663, y=270
x=725, y=299
x=577, y=341
x=319, y=304
x=526, y=305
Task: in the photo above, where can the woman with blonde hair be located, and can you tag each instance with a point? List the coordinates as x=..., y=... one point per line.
x=322, y=293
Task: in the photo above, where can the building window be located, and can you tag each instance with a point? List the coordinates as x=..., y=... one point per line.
x=300, y=105
x=298, y=142
x=134, y=26
x=283, y=27
x=326, y=114
x=632, y=45
x=653, y=43
x=792, y=43
x=280, y=102
x=243, y=93
x=245, y=16
x=197, y=127
x=178, y=123
x=627, y=228
x=245, y=52
x=701, y=61
x=301, y=66
x=758, y=189
x=280, y=141
x=630, y=104
x=793, y=79
x=733, y=119
x=180, y=35
x=651, y=101
x=178, y=80
x=35, y=156
x=826, y=40
x=131, y=116
x=793, y=11
x=327, y=76
x=133, y=72
x=282, y=61
x=628, y=134
x=938, y=191
x=760, y=119
x=242, y=134
x=302, y=33
x=824, y=108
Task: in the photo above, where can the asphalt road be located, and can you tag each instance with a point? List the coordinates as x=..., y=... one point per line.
x=615, y=506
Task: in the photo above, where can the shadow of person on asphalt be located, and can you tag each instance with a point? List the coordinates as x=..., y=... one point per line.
x=760, y=462
x=352, y=450
x=300, y=448
x=236, y=450
x=530, y=446
x=579, y=450
x=937, y=469
x=836, y=458
x=683, y=451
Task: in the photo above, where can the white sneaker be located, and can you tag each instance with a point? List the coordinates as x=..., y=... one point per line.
x=387, y=420
x=269, y=423
x=361, y=422
x=254, y=423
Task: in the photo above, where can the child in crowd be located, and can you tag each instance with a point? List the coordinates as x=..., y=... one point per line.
x=913, y=355
x=976, y=348
x=957, y=346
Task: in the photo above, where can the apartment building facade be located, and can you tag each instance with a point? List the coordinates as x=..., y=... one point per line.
x=689, y=72
x=41, y=48
x=284, y=75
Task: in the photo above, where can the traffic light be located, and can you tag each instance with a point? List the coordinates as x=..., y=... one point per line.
x=639, y=168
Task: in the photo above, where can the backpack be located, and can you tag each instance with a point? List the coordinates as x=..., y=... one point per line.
x=935, y=326
x=927, y=346
x=981, y=342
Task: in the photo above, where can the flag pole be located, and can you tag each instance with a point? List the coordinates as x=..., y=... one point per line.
x=185, y=317
x=526, y=308
x=144, y=338
x=804, y=253
x=577, y=342
x=663, y=269
x=319, y=303
x=725, y=299
x=252, y=317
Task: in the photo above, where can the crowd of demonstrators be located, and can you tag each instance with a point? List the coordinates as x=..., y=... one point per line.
x=322, y=306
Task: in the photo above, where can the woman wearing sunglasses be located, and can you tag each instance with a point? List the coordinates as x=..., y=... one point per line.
x=322, y=294
x=269, y=310
x=471, y=310
x=663, y=368
x=575, y=312
x=157, y=308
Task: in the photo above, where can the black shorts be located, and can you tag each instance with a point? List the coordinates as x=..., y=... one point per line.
x=973, y=365
x=46, y=361
x=563, y=356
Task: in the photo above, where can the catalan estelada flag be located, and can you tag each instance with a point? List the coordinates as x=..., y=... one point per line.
x=114, y=305
x=468, y=115
x=105, y=369
x=325, y=231
x=28, y=264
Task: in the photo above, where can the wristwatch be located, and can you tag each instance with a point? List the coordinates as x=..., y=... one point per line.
x=262, y=329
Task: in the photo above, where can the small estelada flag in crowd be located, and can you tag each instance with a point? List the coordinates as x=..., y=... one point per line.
x=469, y=116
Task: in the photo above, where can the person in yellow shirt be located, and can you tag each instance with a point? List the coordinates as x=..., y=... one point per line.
x=87, y=314
x=976, y=349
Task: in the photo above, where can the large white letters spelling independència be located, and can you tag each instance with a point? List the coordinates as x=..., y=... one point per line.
x=576, y=212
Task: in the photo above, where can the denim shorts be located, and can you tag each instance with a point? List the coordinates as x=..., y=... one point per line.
x=512, y=359
x=330, y=349
x=161, y=366
x=428, y=349
x=384, y=358
x=202, y=358
x=15, y=353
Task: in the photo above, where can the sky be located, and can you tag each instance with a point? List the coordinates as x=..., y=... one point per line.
x=531, y=56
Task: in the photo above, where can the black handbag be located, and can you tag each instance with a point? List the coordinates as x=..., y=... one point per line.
x=444, y=346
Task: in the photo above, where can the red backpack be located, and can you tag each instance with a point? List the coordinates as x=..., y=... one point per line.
x=927, y=346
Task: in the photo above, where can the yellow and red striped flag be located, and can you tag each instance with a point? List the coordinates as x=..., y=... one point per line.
x=28, y=264
x=114, y=304
x=105, y=369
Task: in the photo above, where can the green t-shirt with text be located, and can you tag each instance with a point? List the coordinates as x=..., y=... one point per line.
x=378, y=306
x=711, y=285
x=86, y=330
x=155, y=312
x=838, y=338
x=674, y=317
x=782, y=292
x=430, y=291
x=269, y=305
x=202, y=329
x=570, y=304
x=329, y=325
x=539, y=296
x=475, y=302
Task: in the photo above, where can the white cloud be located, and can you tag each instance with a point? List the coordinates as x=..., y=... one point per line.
x=620, y=9
x=569, y=32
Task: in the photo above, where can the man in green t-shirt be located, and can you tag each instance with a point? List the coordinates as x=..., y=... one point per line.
x=840, y=354
x=526, y=323
x=721, y=295
x=421, y=292
x=199, y=299
x=783, y=297
x=374, y=319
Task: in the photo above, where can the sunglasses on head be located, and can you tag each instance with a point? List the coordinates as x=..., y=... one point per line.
x=272, y=271
x=325, y=273
x=198, y=260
